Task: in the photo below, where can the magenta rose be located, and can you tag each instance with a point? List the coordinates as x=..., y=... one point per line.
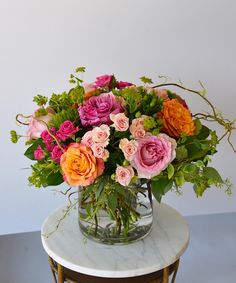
x=56, y=153
x=153, y=155
x=121, y=85
x=38, y=153
x=97, y=109
x=48, y=139
x=66, y=130
x=104, y=81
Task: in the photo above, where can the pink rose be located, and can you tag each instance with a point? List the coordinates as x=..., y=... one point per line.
x=160, y=92
x=100, y=152
x=87, y=139
x=153, y=155
x=66, y=130
x=121, y=85
x=128, y=148
x=101, y=135
x=137, y=129
x=38, y=153
x=121, y=122
x=97, y=109
x=48, y=139
x=56, y=153
x=124, y=175
x=104, y=81
x=38, y=124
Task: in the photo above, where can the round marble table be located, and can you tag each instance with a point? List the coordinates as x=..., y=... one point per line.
x=158, y=252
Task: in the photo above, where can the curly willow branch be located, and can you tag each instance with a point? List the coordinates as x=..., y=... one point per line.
x=22, y=116
x=66, y=212
x=228, y=125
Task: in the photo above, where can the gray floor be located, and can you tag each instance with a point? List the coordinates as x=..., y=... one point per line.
x=210, y=258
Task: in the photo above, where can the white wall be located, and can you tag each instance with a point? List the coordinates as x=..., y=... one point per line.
x=41, y=42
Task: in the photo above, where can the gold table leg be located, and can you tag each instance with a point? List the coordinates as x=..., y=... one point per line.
x=166, y=273
x=60, y=273
x=175, y=272
x=52, y=269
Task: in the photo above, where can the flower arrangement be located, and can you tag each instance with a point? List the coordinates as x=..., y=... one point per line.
x=109, y=135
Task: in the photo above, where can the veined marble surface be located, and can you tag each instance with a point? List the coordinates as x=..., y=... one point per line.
x=164, y=245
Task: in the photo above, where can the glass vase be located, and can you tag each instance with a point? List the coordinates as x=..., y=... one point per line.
x=130, y=221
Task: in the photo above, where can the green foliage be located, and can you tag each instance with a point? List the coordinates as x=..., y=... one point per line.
x=80, y=70
x=149, y=123
x=59, y=118
x=76, y=95
x=30, y=150
x=170, y=171
x=40, y=100
x=41, y=112
x=14, y=136
x=211, y=174
x=45, y=173
x=146, y=80
x=161, y=187
x=181, y=153
x=66, y=100
x=60, y=102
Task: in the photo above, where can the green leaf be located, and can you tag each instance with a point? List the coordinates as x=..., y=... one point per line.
x=179, y=179
x=160, y=188
x=30, y=150
x=54, y=179
x=204, y=133
x=146, y=80
x=198, y=125
x=199, y=189
x=100, y=188
x=80, y=69
x=212, y=174
x=190, y=168
x=170, y=171
x=112, y=201
x=132, y=104
x=76, y=95
x=181, y=153
x=40, y=99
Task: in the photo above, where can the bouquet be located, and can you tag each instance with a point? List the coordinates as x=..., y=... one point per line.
x=109, y=136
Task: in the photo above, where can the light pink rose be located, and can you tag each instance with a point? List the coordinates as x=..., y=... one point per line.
x=121, y=122
x=87, y=139
x=153, y=155
x=38, y=153
x=101, y=135
x=160, y=92
x=137, y=129
x=124, y=175
x=100, y=152
x=37, y=124
x=128, y=148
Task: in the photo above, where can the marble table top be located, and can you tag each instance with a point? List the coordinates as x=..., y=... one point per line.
x=163, y=246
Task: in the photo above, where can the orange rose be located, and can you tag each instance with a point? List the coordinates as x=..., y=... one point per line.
x=177, y=119
x=80, y=166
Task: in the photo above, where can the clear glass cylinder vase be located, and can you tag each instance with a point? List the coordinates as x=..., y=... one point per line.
x=130, y=221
